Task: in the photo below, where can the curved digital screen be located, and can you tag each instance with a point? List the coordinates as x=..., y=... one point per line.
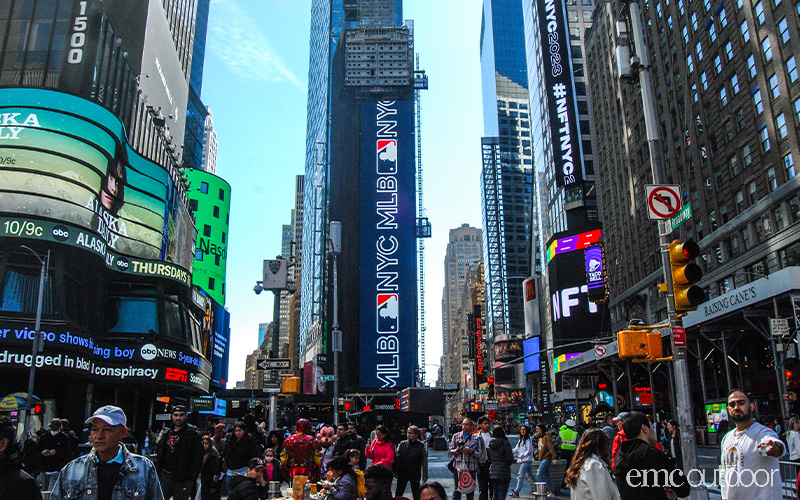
x=65, y=159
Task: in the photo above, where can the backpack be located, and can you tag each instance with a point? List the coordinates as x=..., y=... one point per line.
x=361, y=485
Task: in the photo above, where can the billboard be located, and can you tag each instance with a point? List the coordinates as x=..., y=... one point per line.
x=64, y=159
x=388, y=295
x=108, y=359
x=596, y=278
x=531, y=361
x=574, y=316
x=560, y=93
x=216, y=339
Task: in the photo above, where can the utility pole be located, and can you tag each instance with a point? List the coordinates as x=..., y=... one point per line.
x=336, y=249
x=45, y=263
x=683, y=405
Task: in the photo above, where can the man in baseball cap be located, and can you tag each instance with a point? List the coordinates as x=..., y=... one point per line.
x=97, y=474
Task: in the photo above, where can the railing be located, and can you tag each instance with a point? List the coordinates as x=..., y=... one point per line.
x=789, y=480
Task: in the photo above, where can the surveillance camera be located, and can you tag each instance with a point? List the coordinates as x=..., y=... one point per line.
x=258, y=289
x=292, y=288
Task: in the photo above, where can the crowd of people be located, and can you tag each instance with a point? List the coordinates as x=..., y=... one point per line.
x=623, y=457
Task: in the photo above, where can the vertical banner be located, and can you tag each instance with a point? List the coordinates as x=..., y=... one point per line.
x=596, y=280
x=560, y=90
x=388, y=317
x=80, y=57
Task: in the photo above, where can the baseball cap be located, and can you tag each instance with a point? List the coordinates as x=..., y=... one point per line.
x=256, y=463
x=570, y=423
x=55, y=424
x=112, y=415
x=620, y=416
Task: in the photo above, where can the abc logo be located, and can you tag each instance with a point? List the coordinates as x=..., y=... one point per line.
x=122, y=263
x=148, y=352
x=60, y=233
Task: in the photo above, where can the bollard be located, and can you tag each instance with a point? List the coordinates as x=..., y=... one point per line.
x=539, y=491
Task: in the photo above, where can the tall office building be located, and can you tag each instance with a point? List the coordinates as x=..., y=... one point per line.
x=727, y=100
x=197, y=114
x=506, y=186
x=464, y=249
x=208, y=163
x=361, y=78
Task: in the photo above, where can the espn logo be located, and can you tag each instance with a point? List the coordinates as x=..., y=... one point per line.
x=176, y=375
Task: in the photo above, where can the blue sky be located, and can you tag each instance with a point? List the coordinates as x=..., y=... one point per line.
x=255, y=81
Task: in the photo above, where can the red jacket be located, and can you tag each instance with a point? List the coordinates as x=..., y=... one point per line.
x=381, y=453
x=618, y=439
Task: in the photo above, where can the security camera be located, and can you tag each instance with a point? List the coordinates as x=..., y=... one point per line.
x=258, y=289
x=292, y=288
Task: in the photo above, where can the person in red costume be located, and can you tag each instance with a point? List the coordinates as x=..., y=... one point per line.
x=301, y=453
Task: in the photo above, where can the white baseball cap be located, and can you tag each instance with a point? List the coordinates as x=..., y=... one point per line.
x=112, y=415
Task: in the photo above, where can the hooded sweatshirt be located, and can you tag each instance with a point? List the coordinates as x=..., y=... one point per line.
x=652, y=472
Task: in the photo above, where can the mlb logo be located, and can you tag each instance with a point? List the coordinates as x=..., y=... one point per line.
x=387, y=313
x=387, y=156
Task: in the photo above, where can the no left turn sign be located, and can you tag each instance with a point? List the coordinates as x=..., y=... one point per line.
x=600, y=350
x=663, y=201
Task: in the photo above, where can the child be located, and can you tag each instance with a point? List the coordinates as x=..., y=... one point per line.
x=272, y=469
x=353, y=457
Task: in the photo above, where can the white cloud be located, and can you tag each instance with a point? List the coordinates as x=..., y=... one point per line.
x=235, y=38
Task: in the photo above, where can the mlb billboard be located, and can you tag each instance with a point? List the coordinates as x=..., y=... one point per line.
x=388, y=272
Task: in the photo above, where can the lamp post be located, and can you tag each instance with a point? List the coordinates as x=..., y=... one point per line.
x=335, y=234
x=45, y=263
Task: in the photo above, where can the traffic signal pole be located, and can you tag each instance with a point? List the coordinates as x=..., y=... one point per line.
x=683, y=405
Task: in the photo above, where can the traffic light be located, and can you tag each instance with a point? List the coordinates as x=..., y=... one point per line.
x=685, y=274
x=639, y=344
x=38, y=409
x=791, y=368
x=490, y=390
x=345, y=404
x=476, y=406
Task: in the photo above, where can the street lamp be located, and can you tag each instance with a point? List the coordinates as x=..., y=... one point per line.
x=36, y=334
x=335, y=234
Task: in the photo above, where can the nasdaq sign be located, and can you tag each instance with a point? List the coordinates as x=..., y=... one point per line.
x=388, y=339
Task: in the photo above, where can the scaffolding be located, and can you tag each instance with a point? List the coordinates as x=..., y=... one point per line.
x=494, y=254
x=423, y=224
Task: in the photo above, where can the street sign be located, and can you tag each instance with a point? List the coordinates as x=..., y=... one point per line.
x=663, y=201
x=489, y=404
x=679, y=336
x=779, y=327
x=682, y=216
x=481, y=391
x=271, y=389
x=274, y=363
x=600, y=350
x=326, y=378
x=164, y=416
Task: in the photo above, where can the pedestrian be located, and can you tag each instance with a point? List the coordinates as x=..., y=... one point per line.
x=411, y=463
x=484, y=482
x=569, y=439
x=500, y=459
x=589, y=475
x=752, y=448
x=74, y=440
x=275, y=441
x=642, y=471
x=378, y=482
x=251, y=484
x=524, y=450
x=15, y=483
x=272, y=468
x=619, y=438
x=353, y=457
x=54, y=452
x=793, y=439
x=211, y=471
x=357, y=442
x=343, y=486
x=466, y=447
x=381, y=450
x=673, y=444
x=301, y=453
x=342, y=443
x=179, y=456
x=610, y=430
x=547, y=454
x=432, y=491
x=109, y=471
x=241, y=448
x=30, y=453
x=220, y=439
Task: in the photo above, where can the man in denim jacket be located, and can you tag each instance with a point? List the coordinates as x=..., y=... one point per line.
x=109, y=471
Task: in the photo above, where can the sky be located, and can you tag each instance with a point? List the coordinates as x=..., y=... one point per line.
x=255, y=82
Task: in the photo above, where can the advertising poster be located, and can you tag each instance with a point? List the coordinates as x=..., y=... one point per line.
x=216, y=339
x=715, y=413
x=65, y=159
x=531, y=361
x=388, y=313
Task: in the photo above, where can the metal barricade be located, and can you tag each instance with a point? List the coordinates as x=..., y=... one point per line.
x=789, y=472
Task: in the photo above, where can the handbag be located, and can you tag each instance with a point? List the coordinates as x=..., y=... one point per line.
x=451, y=465
x=466, y=481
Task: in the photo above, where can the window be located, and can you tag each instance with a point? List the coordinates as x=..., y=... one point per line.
x=788, y=165
x=740, y=119
x=723, y=19
x=222, y=195
x=763, y=136
x=704, y=80
x=198, y=255
x=797, y=108
x=773, y=85
x=729, y=50
x=767, y=49
x=690, y=63
x=695, y=97
x=206, y=230
x=751, y=65
x=587, y=16
x=572, y=16
x=780, y=121
x=760, y=13
x=791, y=68
x=794, y=209
x=758, y=102
x=685, y=34
x=729, y=130
x=745, y=31
x=680, y=7
x=204, y=187
x=740, y=200
x=694, y=21
x=216, y=212
x=772, y=181
x=574, y=33
x=712, y=33
x=735, y=84
x=734, y=165
x=718, y=64
x=723, y=96
x=777, y=214
x=783, y=29
x=739, y=4
x=753, y=192
x=707, y=4
x=748, y=159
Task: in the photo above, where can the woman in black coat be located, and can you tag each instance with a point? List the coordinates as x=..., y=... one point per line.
x=673, y=444
x=240, y=449
x=211, y=473
x=501, y=457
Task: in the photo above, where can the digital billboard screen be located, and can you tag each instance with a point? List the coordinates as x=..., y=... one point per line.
x=388, y=312
x=64, y=159
x=531, y=361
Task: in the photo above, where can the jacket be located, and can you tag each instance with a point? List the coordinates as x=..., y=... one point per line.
x=464, y=460
x=78, y=480
x=343, y=489
x=594, y=482
x=381, y=453
x=212, y=467
x=188, y=453
x=524, y=450
x=238, y=452
x=411, y=458
x=546, y=450
x=500, y=458
x=569, y=438
x=246, y=488
x=60, y=443
x=637, y=454
x=16, y=484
